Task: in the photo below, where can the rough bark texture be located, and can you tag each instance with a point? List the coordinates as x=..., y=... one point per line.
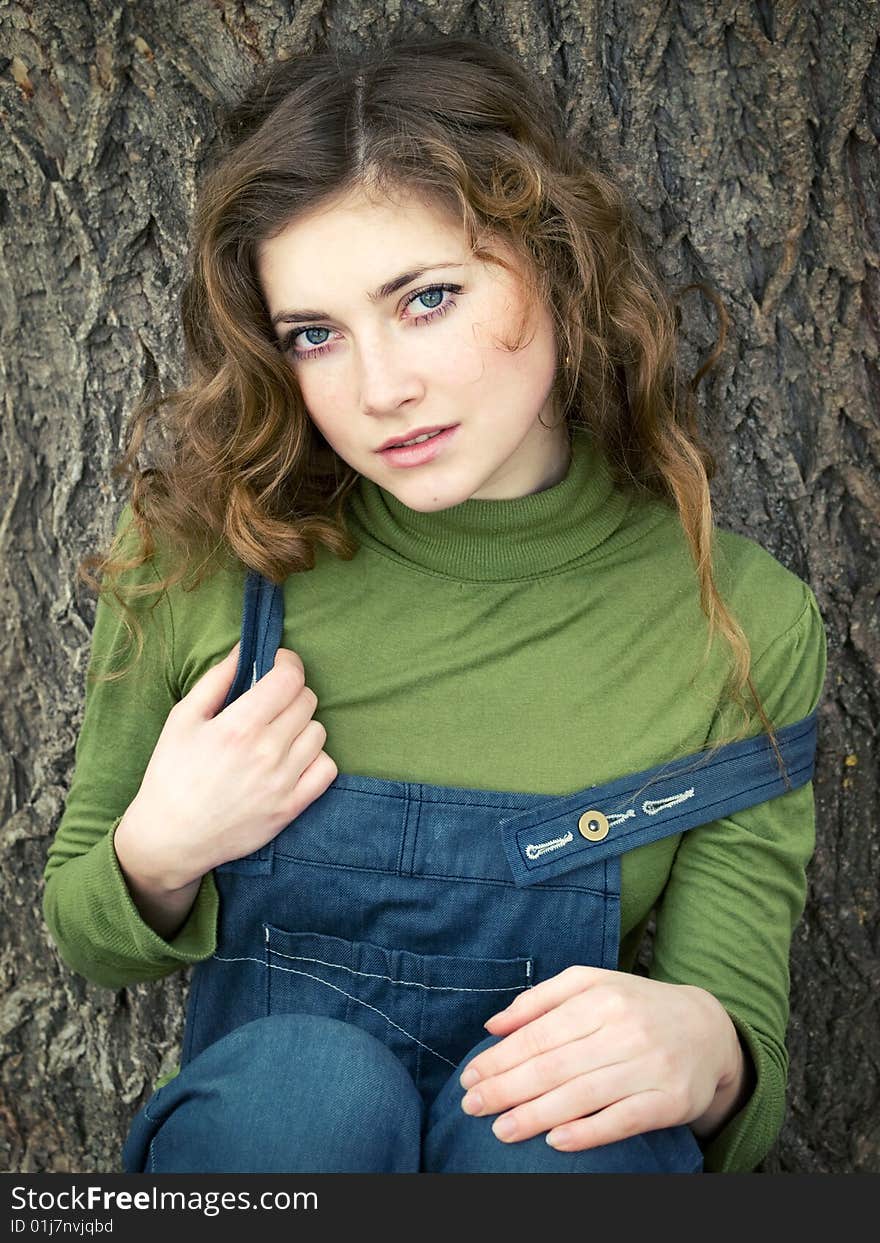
x=746, y=134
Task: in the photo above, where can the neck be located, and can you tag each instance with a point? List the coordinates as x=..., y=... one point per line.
x=493, y=540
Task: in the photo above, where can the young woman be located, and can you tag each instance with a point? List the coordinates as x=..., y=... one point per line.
x=554, y=699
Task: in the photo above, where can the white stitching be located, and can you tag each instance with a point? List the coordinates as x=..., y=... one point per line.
x=614, y=818
x=374, y=975
x=653, y=805
x=533, y=851
x=293, y=971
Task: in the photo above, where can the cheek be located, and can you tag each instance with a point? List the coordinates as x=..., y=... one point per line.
x=537, y=364
x=522, y=374
x=518, y=379
x=322, y=401
x=453, y=359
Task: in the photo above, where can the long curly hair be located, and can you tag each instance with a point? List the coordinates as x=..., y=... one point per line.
x=242, y=470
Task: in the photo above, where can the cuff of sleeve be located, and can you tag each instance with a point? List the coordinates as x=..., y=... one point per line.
x=747, y=1137
x=196, y=938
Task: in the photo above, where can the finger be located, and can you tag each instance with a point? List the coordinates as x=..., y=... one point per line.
x=542, y=1074
x=544, y=996
x=632, y=1116
x=207, y=695
x=291, y=720
x=570, y=1102
x=571, y=1019
x=269, y=695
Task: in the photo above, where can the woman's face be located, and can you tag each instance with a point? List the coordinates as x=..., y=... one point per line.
x=376, y=367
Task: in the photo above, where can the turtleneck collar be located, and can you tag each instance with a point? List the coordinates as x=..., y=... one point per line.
x=494, y=540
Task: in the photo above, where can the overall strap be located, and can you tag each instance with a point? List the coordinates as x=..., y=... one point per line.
x=261, y=628
x=604, y=820
x=600, y=821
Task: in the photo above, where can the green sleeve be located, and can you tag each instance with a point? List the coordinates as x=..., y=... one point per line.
x=736, y=891
x=87, y=906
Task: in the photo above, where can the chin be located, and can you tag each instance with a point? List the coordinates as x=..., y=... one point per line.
x=425, y=499
x=426, y=504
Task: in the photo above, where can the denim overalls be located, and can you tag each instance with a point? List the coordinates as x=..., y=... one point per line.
x=415, y=911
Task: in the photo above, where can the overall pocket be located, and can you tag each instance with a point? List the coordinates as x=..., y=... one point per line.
x=429, y=1009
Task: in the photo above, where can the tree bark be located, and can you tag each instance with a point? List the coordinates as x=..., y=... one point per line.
x=746, y=135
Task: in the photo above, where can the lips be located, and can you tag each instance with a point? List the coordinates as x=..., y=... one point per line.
x=421, y=453
x=396, y=441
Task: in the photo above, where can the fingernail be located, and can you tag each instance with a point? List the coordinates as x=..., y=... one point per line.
x=558, y=1138
x=504, y=1128
x=472, y=1103
x=469, y=1077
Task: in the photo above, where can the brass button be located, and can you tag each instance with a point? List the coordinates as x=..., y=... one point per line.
x=593, y=826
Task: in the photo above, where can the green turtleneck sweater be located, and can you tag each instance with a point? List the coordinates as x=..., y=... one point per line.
x=541, y=643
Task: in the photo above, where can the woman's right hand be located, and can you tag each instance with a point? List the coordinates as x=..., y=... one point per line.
x=220, y=784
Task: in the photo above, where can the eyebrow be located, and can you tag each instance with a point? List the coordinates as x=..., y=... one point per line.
x=384, y=291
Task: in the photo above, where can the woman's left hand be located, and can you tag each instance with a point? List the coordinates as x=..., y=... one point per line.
x=594, y=1056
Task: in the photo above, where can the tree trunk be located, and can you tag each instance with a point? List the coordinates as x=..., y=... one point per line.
x=746, y=135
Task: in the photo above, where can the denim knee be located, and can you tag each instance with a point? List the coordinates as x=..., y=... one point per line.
x=454, y=1142
x=285, y=1093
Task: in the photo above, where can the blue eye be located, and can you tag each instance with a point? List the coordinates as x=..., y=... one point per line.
x=311, y=330
x=429, y=293
x=434, y=310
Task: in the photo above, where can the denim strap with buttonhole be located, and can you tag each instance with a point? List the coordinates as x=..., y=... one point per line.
x=604, y=820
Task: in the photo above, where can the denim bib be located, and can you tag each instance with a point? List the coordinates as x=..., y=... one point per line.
x=416, y=911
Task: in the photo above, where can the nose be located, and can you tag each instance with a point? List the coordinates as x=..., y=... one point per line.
x=386, y=375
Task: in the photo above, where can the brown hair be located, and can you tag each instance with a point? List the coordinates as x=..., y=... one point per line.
x=244, y=471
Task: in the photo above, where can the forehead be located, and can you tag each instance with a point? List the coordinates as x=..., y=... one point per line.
x=362, y=232
x=326, y=261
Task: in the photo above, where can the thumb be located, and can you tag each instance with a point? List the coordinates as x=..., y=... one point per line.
x=208, y=695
